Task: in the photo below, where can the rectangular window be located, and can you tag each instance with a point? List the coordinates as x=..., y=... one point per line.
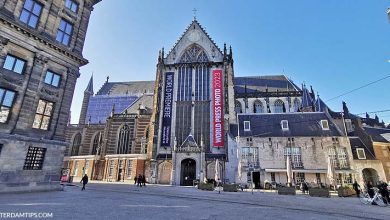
x=360, y=153
x=30, y=13
x=129, y=168
x=284, y=124
x=64, y=32
x=249, y=155
x=43, y=115
x=300, y=178
x=72, y=5
x=75, y=168
x=52, y=79
x=110, y=168
x=324, y=124
x=296, y=156
x=333, y=157
x=247, y=125
x=34, y=159
x=14, y=64
x=342, y=157
x=6, y=102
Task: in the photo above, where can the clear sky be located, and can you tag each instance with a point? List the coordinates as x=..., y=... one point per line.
x=333, y=45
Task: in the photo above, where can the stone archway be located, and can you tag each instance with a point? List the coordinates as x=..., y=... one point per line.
x=188, y=172
x=371, y=175
x=164, y=170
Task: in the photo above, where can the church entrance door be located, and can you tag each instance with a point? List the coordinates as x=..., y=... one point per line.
x=188, y=172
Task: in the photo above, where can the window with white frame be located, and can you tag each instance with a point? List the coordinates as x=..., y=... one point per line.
x=249, y=155
x=111, y=168
x=324, y=125
x=284, y=124
x=295, y=155
x=333, y=156
x=360, y=153
x=247, y=125
x=342, y=157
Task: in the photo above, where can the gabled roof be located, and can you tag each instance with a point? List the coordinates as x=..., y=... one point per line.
x=378, y=134
x=145, y=102
x=189, y=142
x=301, y=124
x=255, y=84
x=194, y=34
x=357, y=143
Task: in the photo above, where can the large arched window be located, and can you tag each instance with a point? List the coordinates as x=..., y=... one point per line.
x=258, y=107
x=238, y=107
x=124, y=142
x=297, y=104
x=76, y=145
x=95, y=143
x=194, y=54
x=279, y=106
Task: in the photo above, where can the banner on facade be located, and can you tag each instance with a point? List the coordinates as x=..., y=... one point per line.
x=167, y=110
x=218, y=135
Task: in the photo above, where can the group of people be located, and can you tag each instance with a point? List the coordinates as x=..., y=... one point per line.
x=382, y=187
x=140, y=180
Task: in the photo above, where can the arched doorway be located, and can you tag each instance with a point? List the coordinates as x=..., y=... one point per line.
x=188, y=172
x=371, y=175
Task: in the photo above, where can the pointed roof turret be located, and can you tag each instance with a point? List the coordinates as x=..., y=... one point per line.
x=90, y=85
x=306, y=97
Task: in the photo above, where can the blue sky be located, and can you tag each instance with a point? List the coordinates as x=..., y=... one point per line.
x=333, y=45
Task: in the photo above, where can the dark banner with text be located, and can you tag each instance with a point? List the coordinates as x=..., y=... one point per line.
x=167, y=110
x=218, y=135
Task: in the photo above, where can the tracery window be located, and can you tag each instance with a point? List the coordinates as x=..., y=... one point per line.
x=258, y=107
x=297, y=104
x=238, y=107
x=76, y=145
x=124, y=142
x=95, y=143
x=279, y=106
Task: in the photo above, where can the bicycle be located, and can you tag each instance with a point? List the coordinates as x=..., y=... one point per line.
x=377, y=199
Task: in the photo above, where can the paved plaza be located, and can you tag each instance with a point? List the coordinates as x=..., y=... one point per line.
x=122, y=201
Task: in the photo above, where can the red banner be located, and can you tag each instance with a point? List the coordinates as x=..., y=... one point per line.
x=218, y=134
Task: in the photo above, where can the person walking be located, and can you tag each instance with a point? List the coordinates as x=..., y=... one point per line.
x=143, y=180
x=84, y=180
x=370, y=189
x=382, y=186
x=356, y=187
x=135, y=180
x=139, y=180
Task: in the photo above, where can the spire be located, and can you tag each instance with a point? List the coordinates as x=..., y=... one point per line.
x=376, y=119
x=90, y=85
x=345, y=110
x=313, y=95
x=307, y=102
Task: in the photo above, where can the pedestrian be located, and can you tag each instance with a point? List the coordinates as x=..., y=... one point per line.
x=302, y=187
x=370, y=189
x=84, y=180
x=306, y=187
x=384, y=191
x=356, y=187
x=143, y=180
x=135, y=179
x=139, y=180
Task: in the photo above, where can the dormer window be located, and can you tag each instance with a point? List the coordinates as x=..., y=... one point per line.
x=324, y=124
x=360, y=153
x=247, y=126
x=284, y=124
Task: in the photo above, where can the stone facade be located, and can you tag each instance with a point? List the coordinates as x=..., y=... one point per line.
x=32, y=54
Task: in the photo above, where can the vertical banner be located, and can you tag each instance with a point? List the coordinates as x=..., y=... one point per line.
x=167, y=110
x=218, y=135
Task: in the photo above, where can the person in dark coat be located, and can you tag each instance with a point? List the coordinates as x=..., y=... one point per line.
x=135, y=180
x=143, y=180
x=356, y=187
x=384, y=192
x=139, y=180
x=370, y=189
x=84, y=180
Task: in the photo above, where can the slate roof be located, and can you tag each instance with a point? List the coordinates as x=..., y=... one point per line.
x=145, y=101
x=100, y=107
x=378, y=134
x=301, y=124
x=135, y=88
x=357, y=143
x=261, y=83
